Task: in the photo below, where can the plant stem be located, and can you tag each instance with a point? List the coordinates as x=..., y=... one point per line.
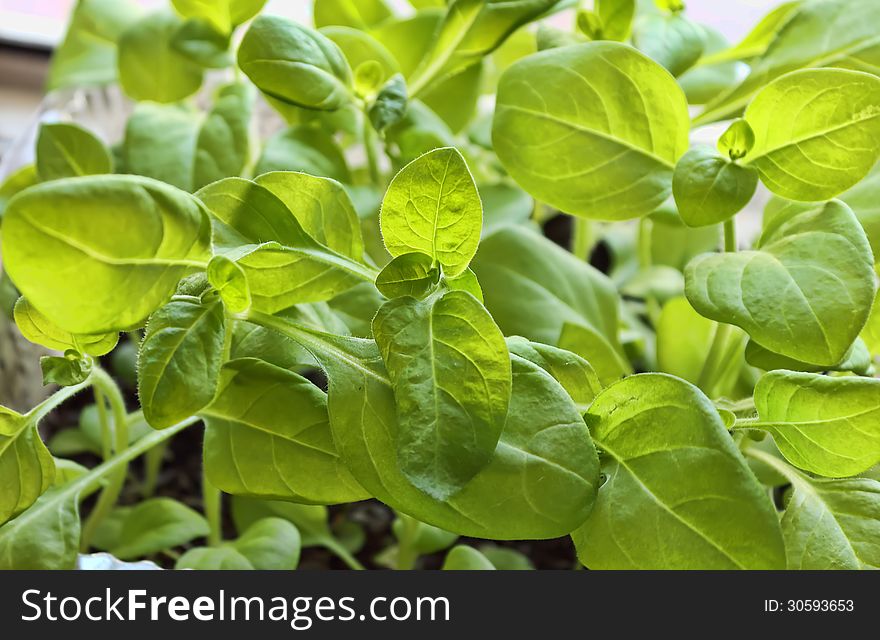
x=106, y=427
x=584, y=238
x=646, y=258
x=152, y=466
x=343, y=554
x=51, y=403
x=110, y=495
x=370, y=142
x=730, y=236
x=212, y=502
x=716, y=359
x=406, y=553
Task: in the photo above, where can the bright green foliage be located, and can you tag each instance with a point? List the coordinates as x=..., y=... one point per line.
x=820, y=33
x=68, y=151
x=179, y=360
x=450, y=370
x=182, y=147
x=709, y=188
x=151, y=526
x=150, y=68
x=223, y=15
x=595, y=163
x=35, y=327
x=828, y=426
x=667, y=455
x=269, y=436
x=464, y=558
x=295, y=65
x=399, y=287
x=26, y=466
x=87, y=56
x=409, y=274
x=672, y=40
x=805, y=292
x=80, y=230
x=432, y=206
x=814, y=132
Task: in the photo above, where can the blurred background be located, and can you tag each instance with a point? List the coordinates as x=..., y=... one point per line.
x=29, y=29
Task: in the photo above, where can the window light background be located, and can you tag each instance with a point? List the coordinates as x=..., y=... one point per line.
x=43, y=21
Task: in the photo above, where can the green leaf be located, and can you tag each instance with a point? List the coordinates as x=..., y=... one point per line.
x=423, y=538
x=409, y=39
x=27, y=469
x=410, y=274
x=35, y=327
x=155, y=525
x=857, y=360
x=450, y=370
x=691, y=500
x=737, y=141
x=223, y=15
x=304, y=149
x=360, y=14
x=706, y=80
x=617, y=18
x=815, y=132
x=271, y=544
x=533, y=288
x=322, y=207
x=575, y=374
x=187, y=149
x=213, y=559
x=593, y=163
x=432, y=206
x=828, y=426
x=829, y=33
x=361, y=48
x=464, y=558
x=127, y=240
x=268, y=436
x=201, y=43
x=149, y=66
x=504, y=205
x=828, y=524
x=471, y=30
x=709, y=188
x=390, y=104
x=230, y=281
x=179, y=360
x=87, y=56
x=310, y=520
x=684, y=337
x=66, y=371
x=806, y=290
x=759, y=38
x=456, y=100
x=672, y=40
x=16, y=182
x=544, y=457
x=295, y=65
x=68, y=151
x=602, y=353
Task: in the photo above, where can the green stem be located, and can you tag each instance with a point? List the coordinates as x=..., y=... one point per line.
x=54, y=401
x=87, y=484
x=106, y=427
x=584, y=238
x=646, y=259
x=730, y=236
x=343, y=554
x=152, y=467
x=371, y=140
x=212, y=502
x=715, y=360
x=406, y=553
x=110, y=495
